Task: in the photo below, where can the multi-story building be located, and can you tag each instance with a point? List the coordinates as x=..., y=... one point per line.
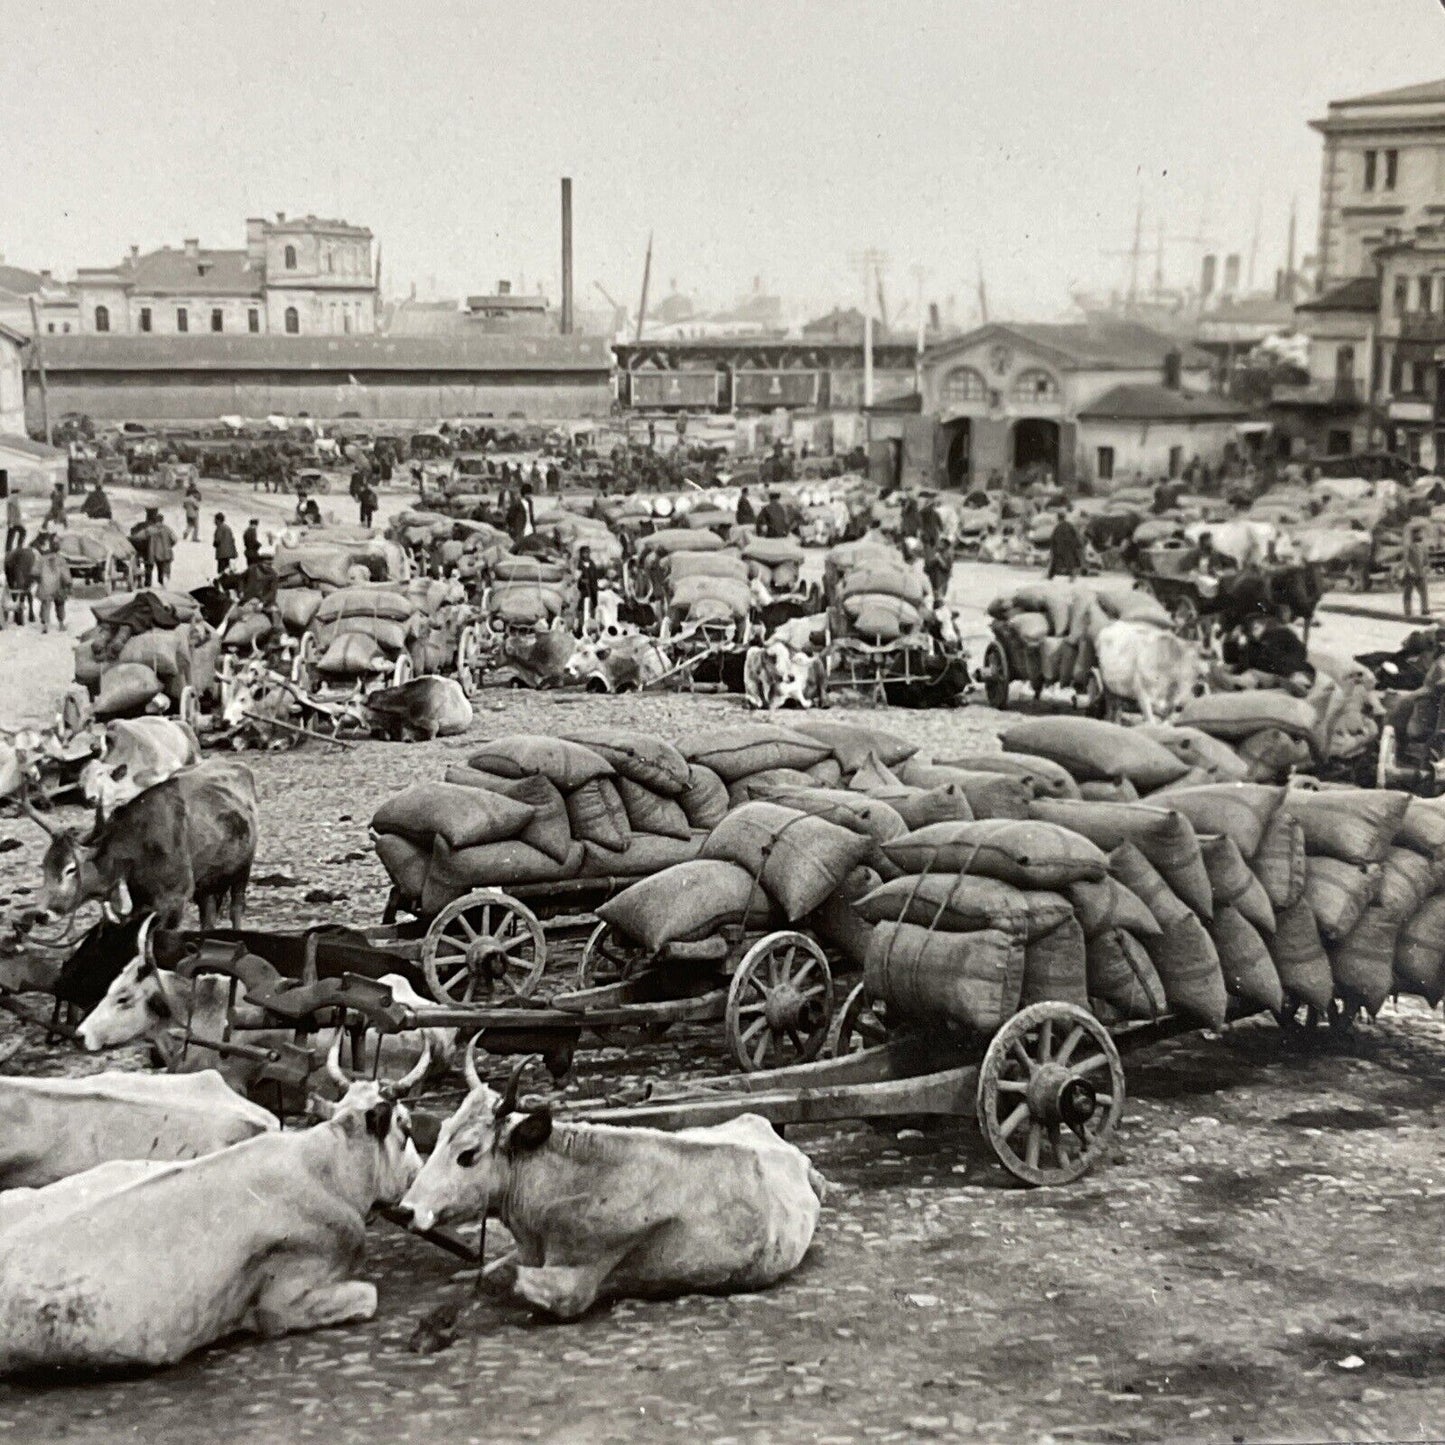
x=301, y=277
x=56, y=309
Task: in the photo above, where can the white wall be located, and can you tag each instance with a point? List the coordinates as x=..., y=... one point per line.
x=1141, y=449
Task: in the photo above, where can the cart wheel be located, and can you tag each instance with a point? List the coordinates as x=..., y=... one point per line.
x=480, y=942
x=108, y=578
x=74, y=711
x=403, y=671
x=1185, y=617
x=468, y=665
x=1385, y=767
x=188, y=710
x=304, y=650
x=995, y=676
x=856, y=1026
x=780, y=1003
x=1051, y=1077
x=610, y=957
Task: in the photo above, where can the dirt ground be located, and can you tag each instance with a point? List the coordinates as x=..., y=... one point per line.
x=1259, y=1260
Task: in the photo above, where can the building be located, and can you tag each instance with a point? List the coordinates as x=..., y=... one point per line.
x=303, y=277
x=1331, y=413
x=57, y=309
x=12, y=380
x=32, y=468
x=1383, y=168
x=1407, y=370
x=1092, y=402
x=503, y=312
x=414, y=378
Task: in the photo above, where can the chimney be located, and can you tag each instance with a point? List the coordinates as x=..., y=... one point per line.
x=256, y=239
x=566, y=321
x=933, y=316
x=280, y=218
x=134, y=252
x=46, y=277
x=504, y=288
x=1231, y=273
x=1208, y=272
x=1174, y=369
x=193, y=247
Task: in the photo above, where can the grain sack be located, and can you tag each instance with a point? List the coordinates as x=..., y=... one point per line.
x=1089, y=748
x=1423, y=829
x=705, y=798
x=638, y=757
x=705, y=564
x=970, y=980
x=648, y=812
x=364, y=602
x=734, y=752
x=167, y=650
x=246, y=629
x=826, y=773
x=850, y=742
x=1241, y=811
x=1198, y=751
x=490, y=865
x=800, y=859
x=353, y=653
x=1054, y=967
x=990, y=795
x=1363, y=962
x=1121, y=973
x=1355, y=825
x=918, y=807
x=125, y=689
x=1107, y=905
x=1279, y=863
x=1249, y=971
x=1164, y=836
x=1027, y=854
x=756, y=784
x=550, y=829
x=568, y=765
x=687, y=902
x=1300, y=958
x=1044, y=779
x=961, y=903
x=1235, y=716
x=392, y=636
x=855, y=811
x=1338, y=893
x=898, y=581
x=1271, y=755
x=406, y=864
x=1031, y=627
x=729, y=593
x=881, y=619
x=1233, y=884
x=644, y=855
x=1183, y=953
x=1093, y=790
x=597, y=815
x=873, y=776
x=463, y=816
x=1407, y=879
x=837, y=922
x=1420, y=951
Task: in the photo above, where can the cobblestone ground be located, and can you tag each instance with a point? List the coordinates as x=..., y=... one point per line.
x=1260, y=1259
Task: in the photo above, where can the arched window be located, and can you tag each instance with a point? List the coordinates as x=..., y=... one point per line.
x=963, y=385
x=291, y=258
x=1035, y=386
x=293, y=321
x=102, y=318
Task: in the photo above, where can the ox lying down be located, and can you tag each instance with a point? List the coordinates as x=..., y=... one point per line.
x=599, y=1210
x=264, y=1236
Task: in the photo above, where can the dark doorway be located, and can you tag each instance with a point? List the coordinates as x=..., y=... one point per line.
x=958, y=463
x=1036, y=443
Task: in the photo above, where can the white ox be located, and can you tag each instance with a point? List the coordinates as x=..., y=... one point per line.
x=599, y=1210
x=53, y=1128
x=775, y=676
x=152, y=1262
x=627, y=662
x=136, y=754
x=1152, y=668
x=1245, y=543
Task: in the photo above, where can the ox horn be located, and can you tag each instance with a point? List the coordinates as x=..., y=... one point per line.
x=404, y=1085
x=143, y=946
x=469, y=1064
x=32, y=812
x=338, y=1075
x=514, y=1081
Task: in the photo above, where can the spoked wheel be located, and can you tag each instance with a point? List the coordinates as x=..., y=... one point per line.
x=303, y=656
x=1185, y=616
x=856, y=1026
x=995, y=676
x=611, y=957
x=780, y=1003
x=1385, y=766
x=1050, y=1093
x=483, y=944
x=469, y=660
x=189, y=708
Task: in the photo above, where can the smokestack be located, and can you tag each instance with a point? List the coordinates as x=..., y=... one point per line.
x=1207, y=277
x=566, y=255
x=1231, y=273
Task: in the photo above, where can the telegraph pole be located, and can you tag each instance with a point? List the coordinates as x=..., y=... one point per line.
x=870, y=265
x=40, y=368
x=918, y=272
x=646, y=277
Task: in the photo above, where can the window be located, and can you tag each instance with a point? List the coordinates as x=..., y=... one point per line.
x=145, y=318
x=346, y=321
x=1370, y=158
x=1402, y=295
x=1337, y=443
x=66, y=328
x=1104, y=465
x=50, y=327
x=1392, y=169
x=1423, y=288
x=218, y=319
x=253, y=320
x=330, y=263
x=1397, y=371
x=1344, y=366
x=293, y=321
x=102, y=318
x=964, y=385
x=1035, y=386
x=1176, y=461
x=183, y=320
x=291, y=254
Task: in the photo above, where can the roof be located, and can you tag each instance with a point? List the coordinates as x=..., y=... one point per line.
x=301, y=224
x=1250, y=310
x=1421, y=94
x=210, y=352
x=1095, y=345
x=36, y=451
x=1360, y=293
x=20, y=281
x=1152, y=402
x=206, y=273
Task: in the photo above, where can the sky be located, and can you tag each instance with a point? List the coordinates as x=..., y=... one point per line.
x=773, y=140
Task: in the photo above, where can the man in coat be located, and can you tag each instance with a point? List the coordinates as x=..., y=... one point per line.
x=162, y=546
x=251, y=542
x=224, y=543
x=1066, y=549
x=52, y=583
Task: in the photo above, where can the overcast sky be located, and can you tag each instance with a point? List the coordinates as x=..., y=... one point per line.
x=768, y=138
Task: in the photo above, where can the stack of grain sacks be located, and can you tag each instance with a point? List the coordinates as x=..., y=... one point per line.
x=701, y=588
x=361, y=630
x=776, y=562
x=873, y=594
x=526, y=591
x=145, y=645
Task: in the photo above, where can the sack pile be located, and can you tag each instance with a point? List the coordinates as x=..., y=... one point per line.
x=529, y=590
x=775, y=561
x=874, y=595
x=144, y=644
x=701, y=587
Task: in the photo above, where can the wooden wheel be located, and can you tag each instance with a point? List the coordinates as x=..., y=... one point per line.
x=994, y=675
x=1185, y=616
x=403, y=670
x=780, y=1003
x=611, y=957
x=188, y=710
x=1050, y=1093
x=856, y=1026
x=480, y=944
x=1385, y=766
x=469, y=663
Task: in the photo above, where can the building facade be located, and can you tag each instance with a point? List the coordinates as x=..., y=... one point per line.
x=303, y=277
x=12, y=381
x=56, y=307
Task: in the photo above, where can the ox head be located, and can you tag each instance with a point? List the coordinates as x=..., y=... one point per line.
x=469, y=1169
x=142, y=1002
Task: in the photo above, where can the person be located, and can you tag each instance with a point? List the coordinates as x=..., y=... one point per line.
x=908, y=515
x=1066, y=550
x=57, y=505
x=774, y=519
x=162, y=546
x=588, y=578
x=96, y=503
x=52, y=584
x=938, y=568
x=251, y=542
x=746, y=514
x=1269, y=646
x=1415, y=569
x=366, y=503
x=515, y=517
x=192, y=507
x=931, y=527
x=14, y=523
x=224, y=543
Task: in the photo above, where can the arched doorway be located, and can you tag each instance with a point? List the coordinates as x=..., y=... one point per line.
x=1036, y=443
x=958, y=457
